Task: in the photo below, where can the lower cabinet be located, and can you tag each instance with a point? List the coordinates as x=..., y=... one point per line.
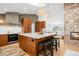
x=3, y=40
x=27, y=44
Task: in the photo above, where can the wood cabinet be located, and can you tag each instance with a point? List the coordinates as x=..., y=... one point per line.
x=3, y=40
x=27, y=24
x=27, y=44
x=39, y=26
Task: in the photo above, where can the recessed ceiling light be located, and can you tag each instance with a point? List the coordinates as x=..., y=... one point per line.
x=25, y=8
x=33, y=9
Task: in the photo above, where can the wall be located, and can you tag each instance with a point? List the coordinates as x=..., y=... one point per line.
x=55, y=16
x=71, y=21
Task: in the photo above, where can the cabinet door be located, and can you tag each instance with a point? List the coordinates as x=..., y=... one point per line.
x=27, y=25
x=27, y=44
x=30, y=45
x=3, y=40
x=39, y=26
x=42, y=23
x=26, y=28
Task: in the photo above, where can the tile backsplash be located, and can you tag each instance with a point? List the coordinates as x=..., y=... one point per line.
x=10, y=29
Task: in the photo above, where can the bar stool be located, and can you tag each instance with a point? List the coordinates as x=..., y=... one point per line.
x=44, y=48
x=54, y=43
x=58, y=40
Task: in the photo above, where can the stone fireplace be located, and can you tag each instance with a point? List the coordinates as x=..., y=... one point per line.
x=71, y=22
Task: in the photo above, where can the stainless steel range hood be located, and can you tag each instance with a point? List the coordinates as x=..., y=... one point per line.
x=12, y=18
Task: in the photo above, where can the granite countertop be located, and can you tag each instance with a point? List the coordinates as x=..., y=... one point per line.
x=37, y=36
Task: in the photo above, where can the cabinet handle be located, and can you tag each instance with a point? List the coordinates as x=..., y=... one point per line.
x=32, y=39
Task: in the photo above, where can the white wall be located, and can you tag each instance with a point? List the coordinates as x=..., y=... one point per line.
x=55, y=12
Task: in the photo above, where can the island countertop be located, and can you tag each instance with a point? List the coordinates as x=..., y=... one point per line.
x=37, y=36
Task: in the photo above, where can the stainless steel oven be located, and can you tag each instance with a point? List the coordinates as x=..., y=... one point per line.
x=12, y=37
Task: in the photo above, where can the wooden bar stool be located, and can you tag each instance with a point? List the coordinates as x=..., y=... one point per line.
x=54, y=43
x=44, y=50
x=58, y=40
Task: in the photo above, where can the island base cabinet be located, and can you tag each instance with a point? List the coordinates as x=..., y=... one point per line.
x=27, y=44
x=3, y=40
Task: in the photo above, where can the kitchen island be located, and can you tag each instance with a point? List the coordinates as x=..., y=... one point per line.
x=29, y=42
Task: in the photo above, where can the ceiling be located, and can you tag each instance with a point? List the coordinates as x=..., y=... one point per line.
x=22, y=8
x=27, y=8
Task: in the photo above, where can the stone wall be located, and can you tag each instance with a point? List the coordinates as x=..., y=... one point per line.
x=71, y=21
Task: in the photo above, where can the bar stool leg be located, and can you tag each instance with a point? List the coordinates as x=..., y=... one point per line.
x=51, y=49
x=44, y=50
x=56, y=44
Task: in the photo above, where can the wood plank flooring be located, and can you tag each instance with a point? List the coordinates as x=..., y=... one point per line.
x=14, y=50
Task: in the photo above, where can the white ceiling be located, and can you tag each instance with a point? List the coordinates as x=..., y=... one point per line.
x=22, y=8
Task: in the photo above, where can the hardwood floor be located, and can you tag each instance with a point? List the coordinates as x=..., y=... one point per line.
x=14, y=50
x=64, y=47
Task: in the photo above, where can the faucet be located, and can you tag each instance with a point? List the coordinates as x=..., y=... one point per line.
x=8, y=32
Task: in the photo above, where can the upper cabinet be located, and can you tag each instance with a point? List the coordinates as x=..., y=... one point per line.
x=39, y=26
x=26, y=25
